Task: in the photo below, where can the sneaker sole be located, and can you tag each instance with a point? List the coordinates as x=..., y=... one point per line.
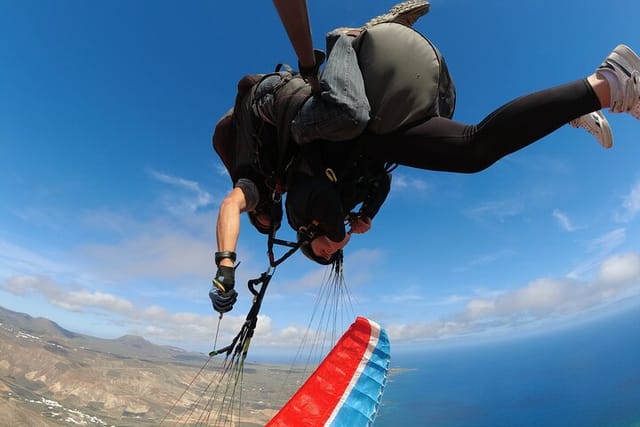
x=605, y=136
x=397, y=11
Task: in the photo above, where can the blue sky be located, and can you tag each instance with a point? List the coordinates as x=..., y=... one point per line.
x=110, y=186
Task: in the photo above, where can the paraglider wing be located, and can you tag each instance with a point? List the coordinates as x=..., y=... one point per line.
x=346, y=388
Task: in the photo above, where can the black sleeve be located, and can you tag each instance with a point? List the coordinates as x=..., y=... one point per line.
x=250, y=191
x=378, y=190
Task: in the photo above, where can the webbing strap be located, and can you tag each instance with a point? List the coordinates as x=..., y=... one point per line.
x=290, y=96
x=294, y=246
x=240, y=343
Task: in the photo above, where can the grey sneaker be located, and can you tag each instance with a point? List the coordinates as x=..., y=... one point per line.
x=622, y=70
x=597, y=125
x=405, y=13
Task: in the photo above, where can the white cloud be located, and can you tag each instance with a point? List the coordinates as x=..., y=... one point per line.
x=17, y=260
x=542, y=299
x=154, y=313
x=539, y=300
x=220, y=169
x=72, y=300
x=620, y=270
x=359, y=266
x=78, y=300
x=357, y=271
x=157, y=253
x=109, y=221
x=500, y=209
x=630, y=205
x=449, y=300
x=311, y=280
x=404, y=183
x=598, y=248
x=185, y=184
x=485, y=259
x=491, y=258
x=563, y=220
x=607, y=243
x=405, y=296
x=512, y=205
x=179, y=247
x=48, y=218
x=190, y=198
x=118, y=245
x=155, y=323
x=175, y=246
x=159, y=250
x=23, y=285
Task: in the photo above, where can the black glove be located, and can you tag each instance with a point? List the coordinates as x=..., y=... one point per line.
x=312, y=71
x=222, y=294
x=310, y=74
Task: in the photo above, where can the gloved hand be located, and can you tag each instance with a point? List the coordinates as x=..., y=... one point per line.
x=310, y=73
x=222, y=294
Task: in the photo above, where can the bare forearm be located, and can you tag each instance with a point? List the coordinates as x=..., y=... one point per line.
x=228, y=225
x=295, y=19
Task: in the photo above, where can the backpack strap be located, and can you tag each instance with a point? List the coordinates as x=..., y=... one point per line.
x=290, y=95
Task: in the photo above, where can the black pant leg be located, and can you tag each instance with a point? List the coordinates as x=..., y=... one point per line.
x=445, y=145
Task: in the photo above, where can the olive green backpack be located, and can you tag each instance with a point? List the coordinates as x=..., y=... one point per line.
x=406, y=77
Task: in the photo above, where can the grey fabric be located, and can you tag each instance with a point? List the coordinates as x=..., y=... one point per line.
x=341, y=111
x=263, y=105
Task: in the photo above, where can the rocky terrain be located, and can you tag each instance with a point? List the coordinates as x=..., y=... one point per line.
x=51, y=377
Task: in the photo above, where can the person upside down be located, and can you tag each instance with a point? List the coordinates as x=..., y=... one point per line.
x=327, y=139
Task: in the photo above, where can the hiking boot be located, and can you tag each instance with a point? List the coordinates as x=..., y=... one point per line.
x=597, y=125
x=405, y=13
x=622, y=70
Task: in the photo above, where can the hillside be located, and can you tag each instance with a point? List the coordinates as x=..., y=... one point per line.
x=50, y=376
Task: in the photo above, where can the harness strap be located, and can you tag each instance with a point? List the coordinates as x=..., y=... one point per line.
x=290, y=95
x=240, y=343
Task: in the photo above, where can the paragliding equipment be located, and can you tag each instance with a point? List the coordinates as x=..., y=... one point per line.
x=240, y=344
x=224, y=406
x=346, y=388
x=364, y=345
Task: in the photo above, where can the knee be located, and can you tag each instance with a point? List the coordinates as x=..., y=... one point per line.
x=473, y=158
x=354, y=119
x=336, y=123
x=479, y=160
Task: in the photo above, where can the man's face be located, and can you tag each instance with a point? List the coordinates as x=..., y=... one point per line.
x=321, y=248
x=325, y=248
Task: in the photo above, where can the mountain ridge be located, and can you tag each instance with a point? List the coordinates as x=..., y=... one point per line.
x=127, y=345
x=50, y=376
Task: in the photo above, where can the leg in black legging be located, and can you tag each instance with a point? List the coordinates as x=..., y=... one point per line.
x=445, y=145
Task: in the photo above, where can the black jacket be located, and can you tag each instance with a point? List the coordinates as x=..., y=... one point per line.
x=314, y=195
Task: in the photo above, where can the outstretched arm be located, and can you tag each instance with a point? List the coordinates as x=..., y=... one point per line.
x=378, y=191
x=222, y=294
x=295, y=19
x=228, y=226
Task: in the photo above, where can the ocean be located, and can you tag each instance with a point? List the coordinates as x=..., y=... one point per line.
x=582, y=376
